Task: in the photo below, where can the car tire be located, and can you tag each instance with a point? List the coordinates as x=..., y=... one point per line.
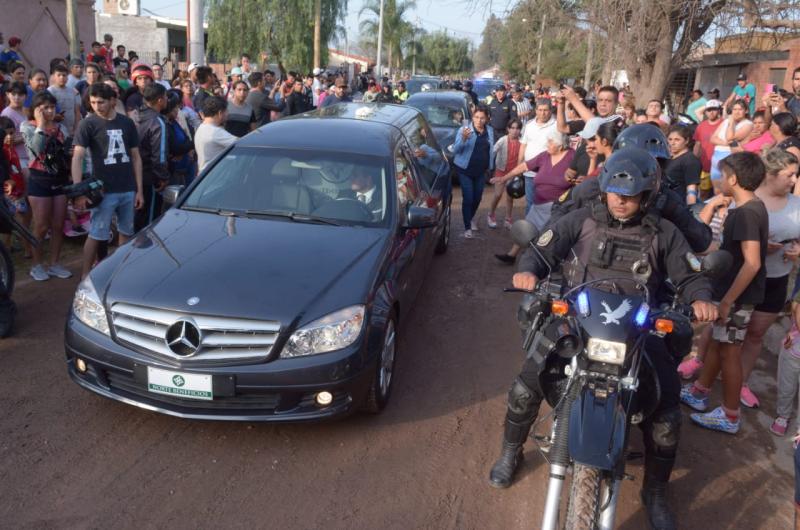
x=380, y=388
x=444, y=239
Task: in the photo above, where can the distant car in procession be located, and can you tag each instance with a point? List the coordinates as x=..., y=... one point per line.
x=273, y=288
x=446, y=111
x=422, y=84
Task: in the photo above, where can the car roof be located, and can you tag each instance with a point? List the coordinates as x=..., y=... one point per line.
x=360, y=128
x=450, y=96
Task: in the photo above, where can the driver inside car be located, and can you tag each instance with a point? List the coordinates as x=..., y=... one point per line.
x=606, y=240
x=364, y=190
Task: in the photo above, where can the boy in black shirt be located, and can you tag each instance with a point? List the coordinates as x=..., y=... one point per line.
x=744, y=235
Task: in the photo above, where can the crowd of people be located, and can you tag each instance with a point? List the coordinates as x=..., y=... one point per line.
x=112, y=118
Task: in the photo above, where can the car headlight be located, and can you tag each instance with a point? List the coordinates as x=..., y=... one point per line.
x=89, y=309
x=331, y=332
x=606, y=351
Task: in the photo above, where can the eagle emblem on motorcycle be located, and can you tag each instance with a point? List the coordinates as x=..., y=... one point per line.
x=612, y=317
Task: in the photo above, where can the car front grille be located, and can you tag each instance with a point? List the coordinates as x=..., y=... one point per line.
x=221, y=339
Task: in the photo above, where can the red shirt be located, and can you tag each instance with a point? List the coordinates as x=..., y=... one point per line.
x=703, y=135
x=511, y=160
x=16, y=173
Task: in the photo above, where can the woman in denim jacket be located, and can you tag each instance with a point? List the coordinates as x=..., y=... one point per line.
x=473, y=158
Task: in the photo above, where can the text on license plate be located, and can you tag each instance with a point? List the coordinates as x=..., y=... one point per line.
x=192, y=386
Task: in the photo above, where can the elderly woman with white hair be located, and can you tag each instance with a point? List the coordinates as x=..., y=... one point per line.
x=550, y=182
x=550, y=167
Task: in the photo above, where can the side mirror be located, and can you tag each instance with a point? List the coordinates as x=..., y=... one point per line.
x=523, y=232
x=420, y=217
x=716, y=263
x=171, y=193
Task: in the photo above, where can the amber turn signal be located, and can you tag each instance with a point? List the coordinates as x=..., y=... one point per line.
x=664, y=326
x=559, y=307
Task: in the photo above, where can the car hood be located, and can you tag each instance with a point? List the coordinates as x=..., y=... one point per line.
x=245, y=267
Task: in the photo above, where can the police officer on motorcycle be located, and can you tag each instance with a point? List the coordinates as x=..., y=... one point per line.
x=606, y=239
x=667, y=202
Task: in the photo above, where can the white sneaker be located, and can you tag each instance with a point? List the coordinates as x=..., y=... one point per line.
x=474, y=225
x=468, y=234
x=39, y=274
x=491, y=222
x=58, y=271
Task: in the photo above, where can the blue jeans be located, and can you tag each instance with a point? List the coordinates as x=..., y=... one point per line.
x=471, y=191
x=529, y=191
x=113, y=203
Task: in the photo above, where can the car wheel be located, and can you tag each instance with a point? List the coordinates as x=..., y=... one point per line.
x=381, y=387
x=444, y=239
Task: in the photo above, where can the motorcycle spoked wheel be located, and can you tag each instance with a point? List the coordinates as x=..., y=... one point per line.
x=583, y=504
x=6, y=270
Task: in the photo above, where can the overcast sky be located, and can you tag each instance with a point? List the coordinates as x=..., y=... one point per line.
x=451, y=15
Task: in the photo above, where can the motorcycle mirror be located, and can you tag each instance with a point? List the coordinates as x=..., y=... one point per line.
x=717, y=262
x=523, y=232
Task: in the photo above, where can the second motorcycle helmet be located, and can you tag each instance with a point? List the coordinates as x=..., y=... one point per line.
x=645, y=136
x=630, y=171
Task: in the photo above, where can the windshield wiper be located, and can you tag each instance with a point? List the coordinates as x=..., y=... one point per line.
x=218, y=211
x=297, y=217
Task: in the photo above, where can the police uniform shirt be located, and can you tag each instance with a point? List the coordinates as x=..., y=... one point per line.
x=501, y=112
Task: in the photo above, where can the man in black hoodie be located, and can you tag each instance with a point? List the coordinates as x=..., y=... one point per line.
x=154, y=149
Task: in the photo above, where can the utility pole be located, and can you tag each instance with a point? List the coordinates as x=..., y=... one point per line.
x=541, y=39
x=587, y=72
x=380, y=40
x=318, y=33
x=197, y=41
x=72, y=29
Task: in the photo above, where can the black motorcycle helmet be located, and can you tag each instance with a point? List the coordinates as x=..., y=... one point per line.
x=645, y=136
x=629, y=172
x=516, y=188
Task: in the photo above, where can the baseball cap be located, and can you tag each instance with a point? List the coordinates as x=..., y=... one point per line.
x=500, y=87
x=13, y=41
x=713, y=104
x=592, y=126
x=317, y=71
x=236, y=71
x=191, y=67
x=75, y=62
x=141, y=69
x=741, y=77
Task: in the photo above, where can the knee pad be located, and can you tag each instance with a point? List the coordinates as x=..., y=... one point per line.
x=522, y=401
x=662, y=433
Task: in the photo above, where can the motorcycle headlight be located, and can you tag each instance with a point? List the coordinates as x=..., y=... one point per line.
x=606, y=351
x=88, y=308
x=331, y=332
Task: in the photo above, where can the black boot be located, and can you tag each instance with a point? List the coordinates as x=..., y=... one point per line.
x=502, y=473
x=654, y=492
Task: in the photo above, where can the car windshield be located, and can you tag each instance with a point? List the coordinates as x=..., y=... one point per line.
x=441, y=114
x=483, y=89
x=415, y=85
x=305, y=186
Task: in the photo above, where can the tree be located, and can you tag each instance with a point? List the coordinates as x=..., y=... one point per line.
x=397, y=31
x=284, y=28
x=488, y=53
x=442, y=54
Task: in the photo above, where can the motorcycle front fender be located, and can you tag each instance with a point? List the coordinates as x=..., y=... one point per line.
x=597, y=430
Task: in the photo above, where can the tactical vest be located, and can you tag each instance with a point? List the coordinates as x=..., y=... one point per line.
x=606, y=250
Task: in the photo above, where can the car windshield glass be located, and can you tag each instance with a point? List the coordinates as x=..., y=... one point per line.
x=302, y=186
x=483, y=89
x=442, y=114
x=415, y=85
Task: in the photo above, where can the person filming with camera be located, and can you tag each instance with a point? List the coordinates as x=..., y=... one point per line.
x=48, y=166
x=113, y=142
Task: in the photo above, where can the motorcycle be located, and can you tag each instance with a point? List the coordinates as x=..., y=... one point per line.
x=597, y=377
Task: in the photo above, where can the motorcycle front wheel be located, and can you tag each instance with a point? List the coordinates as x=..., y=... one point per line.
x=6, y=270
x=584, y=498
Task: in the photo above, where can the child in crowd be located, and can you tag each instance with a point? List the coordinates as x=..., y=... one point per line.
x=744, y=235
x=788, y=374
x=14, y=185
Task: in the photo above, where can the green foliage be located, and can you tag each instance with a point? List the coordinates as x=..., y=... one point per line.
x=489, y=53
x=398, y=33
x=442, y=54
x=283, y=28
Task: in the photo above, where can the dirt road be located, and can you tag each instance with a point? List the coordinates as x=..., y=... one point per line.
x=70, y=459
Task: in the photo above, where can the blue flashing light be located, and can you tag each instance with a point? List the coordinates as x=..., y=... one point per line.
x=583, y=303
x=641, y=315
